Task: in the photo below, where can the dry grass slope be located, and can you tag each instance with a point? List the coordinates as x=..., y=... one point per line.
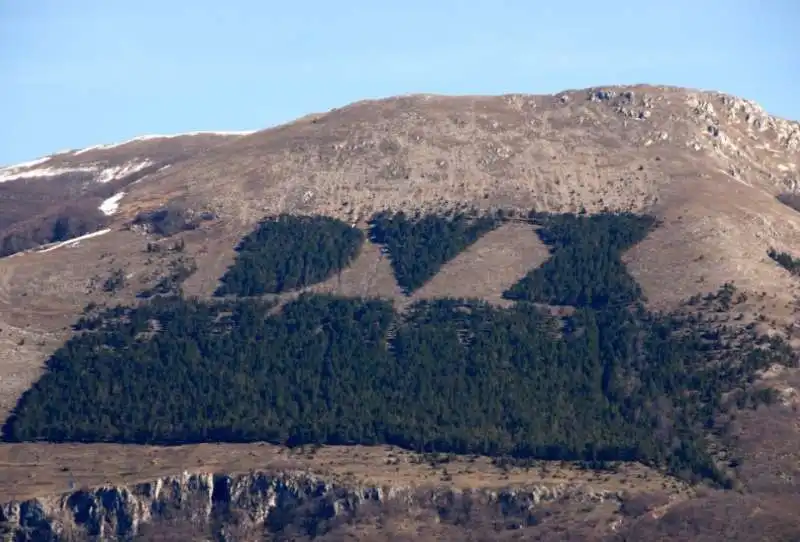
x=28, y=471
x=709, y=166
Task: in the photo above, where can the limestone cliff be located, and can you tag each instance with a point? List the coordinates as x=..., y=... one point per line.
x=261, y=500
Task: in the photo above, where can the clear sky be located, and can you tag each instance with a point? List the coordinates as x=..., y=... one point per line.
x=74, y=73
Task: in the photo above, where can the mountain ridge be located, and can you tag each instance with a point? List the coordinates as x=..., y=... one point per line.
x=105, y=146
x=708, y=166
x=590, y=148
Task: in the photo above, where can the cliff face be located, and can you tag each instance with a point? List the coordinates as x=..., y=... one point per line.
x=259, y=500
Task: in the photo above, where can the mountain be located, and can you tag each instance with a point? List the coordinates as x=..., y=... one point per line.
x=716, y=173
x=62, y=195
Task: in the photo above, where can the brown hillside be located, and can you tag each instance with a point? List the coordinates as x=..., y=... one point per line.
x=71, y=185
x=708, y=165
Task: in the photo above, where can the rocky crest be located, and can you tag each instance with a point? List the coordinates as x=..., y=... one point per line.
x=119, y=512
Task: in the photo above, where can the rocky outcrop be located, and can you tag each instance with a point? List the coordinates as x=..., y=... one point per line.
x=260, y=499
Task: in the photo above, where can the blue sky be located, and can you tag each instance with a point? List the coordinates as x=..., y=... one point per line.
x=80, y=72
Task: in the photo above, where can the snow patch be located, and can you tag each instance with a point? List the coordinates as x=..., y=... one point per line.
x=75, y=241
x=24, y=165
x=160, y=136
x=210, y=132
x=111, y=205
x=88, y=149
x=102, y=174
x=143, y=177
x=117, y=172
x=12, y=174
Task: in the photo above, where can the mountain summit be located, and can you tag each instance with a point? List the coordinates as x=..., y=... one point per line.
x=717, y=176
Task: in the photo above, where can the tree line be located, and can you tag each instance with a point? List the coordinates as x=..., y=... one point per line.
x=288, y=252
x=418, y=246
x=610, y=381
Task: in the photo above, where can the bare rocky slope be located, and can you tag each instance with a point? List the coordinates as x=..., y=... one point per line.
x=72, y=192
x=710, y=166
x=329, y=492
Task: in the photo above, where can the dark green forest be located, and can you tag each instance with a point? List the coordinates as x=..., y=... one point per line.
x=288, y=252
x=419, y=246
x=585, y=268
x=611, y=381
